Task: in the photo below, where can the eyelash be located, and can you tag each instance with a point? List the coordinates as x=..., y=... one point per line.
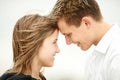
x=68, y=35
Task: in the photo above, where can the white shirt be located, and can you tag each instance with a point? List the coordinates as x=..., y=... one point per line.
x=104, y=62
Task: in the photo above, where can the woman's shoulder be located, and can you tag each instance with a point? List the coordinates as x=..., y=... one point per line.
x=14, y=76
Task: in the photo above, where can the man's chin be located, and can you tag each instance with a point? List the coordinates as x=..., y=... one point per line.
x=83, y=48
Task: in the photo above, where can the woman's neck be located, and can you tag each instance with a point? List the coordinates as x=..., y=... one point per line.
x=35, y=68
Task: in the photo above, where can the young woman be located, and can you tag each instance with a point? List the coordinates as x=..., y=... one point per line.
x=34, y=46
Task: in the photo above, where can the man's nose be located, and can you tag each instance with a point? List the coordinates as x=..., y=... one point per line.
x=68, y=40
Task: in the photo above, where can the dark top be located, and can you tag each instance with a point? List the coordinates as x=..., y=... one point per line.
x=14, y=76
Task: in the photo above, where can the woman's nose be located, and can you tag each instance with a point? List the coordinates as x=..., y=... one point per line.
x=57, y=50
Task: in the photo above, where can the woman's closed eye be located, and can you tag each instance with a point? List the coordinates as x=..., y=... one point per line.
x=55, y=41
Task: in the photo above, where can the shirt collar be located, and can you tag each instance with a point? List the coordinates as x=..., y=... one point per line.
x=105, y=42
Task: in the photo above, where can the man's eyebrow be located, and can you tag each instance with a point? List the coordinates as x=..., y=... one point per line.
x=66, y=33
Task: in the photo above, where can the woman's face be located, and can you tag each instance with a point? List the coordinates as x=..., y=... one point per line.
x=48, y=50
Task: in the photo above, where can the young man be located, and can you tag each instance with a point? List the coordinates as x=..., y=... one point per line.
x=81, y=22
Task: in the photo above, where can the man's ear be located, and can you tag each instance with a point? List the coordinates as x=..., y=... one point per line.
x=86, y=20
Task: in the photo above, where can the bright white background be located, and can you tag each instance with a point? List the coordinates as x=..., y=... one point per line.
x=70, y=62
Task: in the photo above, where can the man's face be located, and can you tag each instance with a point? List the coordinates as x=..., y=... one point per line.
x=77, y=35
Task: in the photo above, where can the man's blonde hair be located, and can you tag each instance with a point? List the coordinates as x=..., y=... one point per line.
x=74, y=10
